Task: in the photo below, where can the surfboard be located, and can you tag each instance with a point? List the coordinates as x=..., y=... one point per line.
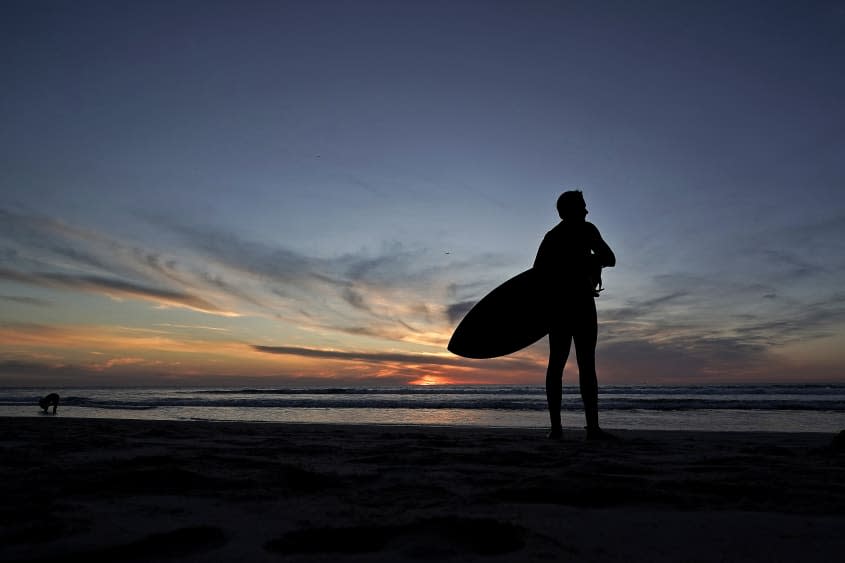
x=506, y=320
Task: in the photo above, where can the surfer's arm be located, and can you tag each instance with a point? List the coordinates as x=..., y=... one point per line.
x=601, y=250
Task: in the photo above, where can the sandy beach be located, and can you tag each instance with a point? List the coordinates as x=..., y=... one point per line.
x=89, y=490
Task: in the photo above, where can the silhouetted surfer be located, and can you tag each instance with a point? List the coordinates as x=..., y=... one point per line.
x=570, y=259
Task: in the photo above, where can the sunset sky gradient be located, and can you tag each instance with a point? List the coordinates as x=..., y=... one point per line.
x=298, y=193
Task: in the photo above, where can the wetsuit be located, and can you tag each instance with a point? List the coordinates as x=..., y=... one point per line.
x=568, y=259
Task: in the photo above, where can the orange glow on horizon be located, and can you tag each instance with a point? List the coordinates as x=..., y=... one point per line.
x=432, y=380
x=122, y=351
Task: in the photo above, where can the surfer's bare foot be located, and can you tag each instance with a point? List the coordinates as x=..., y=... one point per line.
x=599, y=435
x=556, y=433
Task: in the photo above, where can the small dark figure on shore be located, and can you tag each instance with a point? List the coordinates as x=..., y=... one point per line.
x=51, y=400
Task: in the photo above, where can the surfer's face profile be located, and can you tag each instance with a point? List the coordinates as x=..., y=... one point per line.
x=572, y=207
x=580, y=214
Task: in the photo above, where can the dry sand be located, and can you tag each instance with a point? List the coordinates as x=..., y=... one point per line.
x=96, y=490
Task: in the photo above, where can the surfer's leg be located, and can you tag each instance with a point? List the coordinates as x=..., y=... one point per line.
x=559, y=344
x=585, y=335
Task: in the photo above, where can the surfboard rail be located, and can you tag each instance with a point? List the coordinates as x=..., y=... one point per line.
x=511, y=317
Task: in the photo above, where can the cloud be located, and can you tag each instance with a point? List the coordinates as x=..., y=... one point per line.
x=355, y=299
x=192, y=327
x=803, y=254
x=218, y=283
x=60, y=374
x=114, y=288
x=752, y=309
x=797, y=320
x=39, y=241
x=715, y=327
x=55, y=376
x=693, y=360
x=364, y=356
x=690, y=322
x=392, y=266
x=457, y=311
x=116, y=340
x=637, y=309
x=395, y=292
x=121, y=371
x=513, y=364
x=45, y=252
x=25, y=300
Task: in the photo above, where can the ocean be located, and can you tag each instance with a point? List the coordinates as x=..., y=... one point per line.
x=779, y=408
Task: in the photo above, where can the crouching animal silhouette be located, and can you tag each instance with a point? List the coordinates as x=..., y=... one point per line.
x=51, y=400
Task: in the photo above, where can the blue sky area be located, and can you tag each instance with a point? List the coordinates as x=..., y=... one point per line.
x=312, y=192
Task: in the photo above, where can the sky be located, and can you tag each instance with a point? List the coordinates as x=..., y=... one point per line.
x=313, y=193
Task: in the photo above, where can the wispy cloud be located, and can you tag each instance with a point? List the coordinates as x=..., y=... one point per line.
x=37, y=241
x=363, y=356
x=511, y=365
x=685, y=322
x=114, y=288
x=717, y=327
x=394, y=292
x=192, y=327
x=117, y=340
x=45, y=252
x=729, y=316
x=456, y=311
x=25, y=300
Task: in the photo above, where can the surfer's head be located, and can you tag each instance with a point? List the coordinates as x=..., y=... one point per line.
x=571, y=206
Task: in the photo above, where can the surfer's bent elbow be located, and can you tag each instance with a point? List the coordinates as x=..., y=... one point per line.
x=605, y=255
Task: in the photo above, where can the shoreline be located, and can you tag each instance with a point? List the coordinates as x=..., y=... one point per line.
x=753, y=423
x=572, y=430
x=268, y=491
x=805, y=408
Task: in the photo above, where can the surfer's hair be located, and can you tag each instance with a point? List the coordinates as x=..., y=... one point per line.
x=570, y=201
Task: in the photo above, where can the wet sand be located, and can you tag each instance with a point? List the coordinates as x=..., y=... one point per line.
x=90, y=490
